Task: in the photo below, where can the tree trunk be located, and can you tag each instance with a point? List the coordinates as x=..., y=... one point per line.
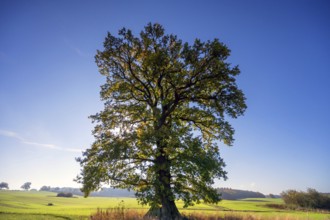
x=153, y=212
x=168, y=209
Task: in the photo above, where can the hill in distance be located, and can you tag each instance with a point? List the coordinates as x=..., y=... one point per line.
x=234, y=194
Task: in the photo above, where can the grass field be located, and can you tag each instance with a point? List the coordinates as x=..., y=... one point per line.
x=34, y=205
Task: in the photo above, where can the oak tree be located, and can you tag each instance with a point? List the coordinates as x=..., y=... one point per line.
x=167, y=105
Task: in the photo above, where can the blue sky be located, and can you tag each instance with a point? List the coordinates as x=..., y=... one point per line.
x=49, y=84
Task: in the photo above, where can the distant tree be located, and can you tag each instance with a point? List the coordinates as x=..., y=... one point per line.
x=56, y=189
x=45, y=188
x=26, y=186
x=272, y=196
x=167, y=106
x=4, y=185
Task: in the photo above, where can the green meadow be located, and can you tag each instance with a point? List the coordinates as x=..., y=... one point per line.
x=35, y=205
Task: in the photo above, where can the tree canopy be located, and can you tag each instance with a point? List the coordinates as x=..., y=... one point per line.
x=167, y=105
x=4, y=185
x=26, y=186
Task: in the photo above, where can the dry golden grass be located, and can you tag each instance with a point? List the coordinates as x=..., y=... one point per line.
x=121, y=213
x=201, y=216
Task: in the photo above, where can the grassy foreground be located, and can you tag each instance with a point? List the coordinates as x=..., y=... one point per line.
x=34, y=205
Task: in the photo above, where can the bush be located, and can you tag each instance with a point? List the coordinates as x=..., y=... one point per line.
x=310, y=199
x=62, y=194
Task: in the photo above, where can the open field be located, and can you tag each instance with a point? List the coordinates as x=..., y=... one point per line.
x=34, y=205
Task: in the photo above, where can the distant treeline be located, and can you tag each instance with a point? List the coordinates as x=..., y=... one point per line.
x=105, y=192
x=233, y=194
x=227, y=193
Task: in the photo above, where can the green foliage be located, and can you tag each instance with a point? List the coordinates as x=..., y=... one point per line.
x=166, y=110
x=310, y=199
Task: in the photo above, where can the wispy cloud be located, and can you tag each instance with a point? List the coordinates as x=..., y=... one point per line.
x=8, y=134
x=77, y=50
x=22, y=140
